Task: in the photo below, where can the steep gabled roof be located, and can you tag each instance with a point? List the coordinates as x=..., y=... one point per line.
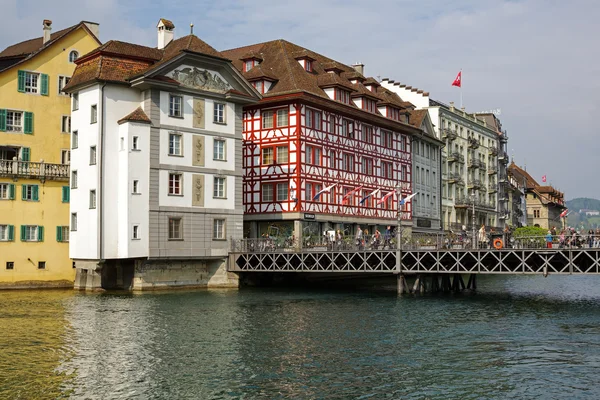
x=20, y=52
x=138, y=115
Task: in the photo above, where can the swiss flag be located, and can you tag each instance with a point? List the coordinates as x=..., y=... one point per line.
x=458, y=79
x=544, y=178
x=564, y=213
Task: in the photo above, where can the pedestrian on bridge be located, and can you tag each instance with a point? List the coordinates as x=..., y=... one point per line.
x=482, y=237
x=359, y=238
x=549, y=240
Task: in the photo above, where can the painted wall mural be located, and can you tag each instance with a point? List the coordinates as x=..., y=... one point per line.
x=200, y=79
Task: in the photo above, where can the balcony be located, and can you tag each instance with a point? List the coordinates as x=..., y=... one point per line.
x=492, y=170
x=473, y=143
x=455, y=178
x=449, y=134
x=466, y=202
x=503, y=157
x=493, y=151
x=34, y=170
x=492, y=187
x=475, y=163
x=456, y=156
x=474, y=184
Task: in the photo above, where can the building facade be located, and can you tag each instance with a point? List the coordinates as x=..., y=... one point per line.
x=156, y=164
x=321, y=125
x=35, y=127
x=474, y=161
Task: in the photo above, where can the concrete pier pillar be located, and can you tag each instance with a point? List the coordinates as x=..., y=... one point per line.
x=401, y=282
x=88, y=276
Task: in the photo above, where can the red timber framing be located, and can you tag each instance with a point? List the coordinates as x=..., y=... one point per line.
x=338, y=149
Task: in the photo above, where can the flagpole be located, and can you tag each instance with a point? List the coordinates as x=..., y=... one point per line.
x=461, y=88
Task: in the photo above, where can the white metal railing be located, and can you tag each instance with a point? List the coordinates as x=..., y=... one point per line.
x=31, y=169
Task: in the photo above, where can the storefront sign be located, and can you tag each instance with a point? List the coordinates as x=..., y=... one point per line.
x=424, y=223
x=309, y=217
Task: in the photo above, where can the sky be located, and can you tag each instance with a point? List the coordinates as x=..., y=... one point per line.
x=538, y=61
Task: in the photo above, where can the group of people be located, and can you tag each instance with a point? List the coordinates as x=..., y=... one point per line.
x=363, y=240
x=571, y=238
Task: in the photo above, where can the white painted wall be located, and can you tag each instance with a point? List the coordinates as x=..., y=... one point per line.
x=418, y=99
x=185, y=200
x=189, y=152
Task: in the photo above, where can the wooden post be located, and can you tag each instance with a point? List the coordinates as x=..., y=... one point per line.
x=402, y=286
x=417, y=284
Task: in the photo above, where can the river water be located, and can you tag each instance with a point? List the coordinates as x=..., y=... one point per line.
x=519, y=337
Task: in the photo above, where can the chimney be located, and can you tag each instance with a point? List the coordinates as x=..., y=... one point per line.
x=94, y=27
x=47, y=29
x=359, y=67
x=165, y=33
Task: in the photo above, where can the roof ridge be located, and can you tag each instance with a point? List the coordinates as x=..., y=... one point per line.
x=250, y=45
x=287, y=60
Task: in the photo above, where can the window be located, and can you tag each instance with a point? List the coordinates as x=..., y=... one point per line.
x=175, y=103
x=308, y=65
x=367, y=166
x=175, y=231
x=92, y=155
x=175, y=184
x=32, y=233
x=219, y=149
x=404, y=174
x=219, y=229
x=348, y=162
x=369, y=105
x=267, y=192
x=10, y=265
x=267, y=156
x=175, y=144
x=346, y=129
x=7, y=233
x=7, y=191
x=62, y=82
x=41, y=264
x=73, y=179
x=267, y=119
x=282, y=155
x=219, y=188
x=282, y=117
x=259, y=86
x=31, y=82
x=332, y=159
x=135, y=144
x=282, y=191
x=74, y=139
x=311, y=190
x=92, y=199
x=65, y=124
x=94, y=114
x=30, y=192
x=249, y=64
x=313, y=155
x=75, y=98
x=73, y=221
x=135, y=234
x=387, y=139
x=331, y=123
x=73, y=56
x=367, y=134
x=342, y=96
x=62, y=234
x=14, y=121
x=135, y=187
x=65, y=157
x=386, y=170
x=219, y=115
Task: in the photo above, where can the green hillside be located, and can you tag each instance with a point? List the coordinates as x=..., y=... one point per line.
x=581, y=220
x=581, y=203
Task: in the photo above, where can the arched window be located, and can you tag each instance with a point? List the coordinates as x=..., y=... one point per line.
x=73, y=56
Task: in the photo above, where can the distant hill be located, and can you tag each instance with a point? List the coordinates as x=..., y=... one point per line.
x=578, y=220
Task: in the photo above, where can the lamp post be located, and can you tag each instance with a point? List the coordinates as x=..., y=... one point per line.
x=473, y=218
x=400, y=278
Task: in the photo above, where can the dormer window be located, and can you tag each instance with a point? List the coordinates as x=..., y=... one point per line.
x=369, y=105
x=342, y=95
x=393, y=113
x=308, y=65
x=259, y=86
x=251, y=63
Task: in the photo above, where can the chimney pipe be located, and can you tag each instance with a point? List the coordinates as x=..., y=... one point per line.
x=47, y=24
x=165, y=33
x=359, y=67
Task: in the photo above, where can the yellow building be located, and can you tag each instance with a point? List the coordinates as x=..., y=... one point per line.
x=35, y=144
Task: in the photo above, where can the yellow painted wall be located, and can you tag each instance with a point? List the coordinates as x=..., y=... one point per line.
x=45, y=143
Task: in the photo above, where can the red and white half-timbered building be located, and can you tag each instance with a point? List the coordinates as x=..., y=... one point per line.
x=320, y=123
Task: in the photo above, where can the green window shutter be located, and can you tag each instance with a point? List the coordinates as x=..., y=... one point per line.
x=25, y=154
x=59, y=233
x=2, y=120
x=11, y=191
x=66, y=194
x=44, y=85
x=11, y=233
x=21, y=81
x=23, y=192
x=28, y=123
x=40, y=233
x=23, y=233
x=35, y=192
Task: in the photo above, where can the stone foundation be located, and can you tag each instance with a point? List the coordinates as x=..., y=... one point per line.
x=60, y=284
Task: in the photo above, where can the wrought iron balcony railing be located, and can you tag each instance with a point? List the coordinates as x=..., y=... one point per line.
x=492, y=170
x=456, y=156
x=475, y=163
x=34, y=170
x=474, y=184
x=473, y=143
x=493, y=150
x=449, y=134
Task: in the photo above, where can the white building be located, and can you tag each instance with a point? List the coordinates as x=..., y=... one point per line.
x=156, y=163
x=474, y=161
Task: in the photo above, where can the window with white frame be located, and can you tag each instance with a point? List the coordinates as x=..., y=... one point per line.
x=92, y=155
x=175, y=228
x=63, y=234
x=259, y=86
x=282, y=191
x=73, y=179
x=267, y=119
x=92, y=199
x=135, y=143
x=73, y=221
x=175, y=144
x=219, y=229
x=175, y=184
x=65, y=124
x=267, y=192
x=65, y=157
x=219, y=188
x=62, y=82
x=14, y=121
x=32, y=82
x=135, y=187
x=94, y=114
x=175, y=106
x=4, y=191
x=135, y=234
x=282, y=156
x=73, y=56
x=267, y=156
x=219, y=149
x=3, y=233
x=219, y=113
x=313, y=119
x=30, y=233
x=74, y=139
x=283, y=117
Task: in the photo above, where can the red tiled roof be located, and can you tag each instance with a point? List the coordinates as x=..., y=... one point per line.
x=417, y=117
x=138, y=115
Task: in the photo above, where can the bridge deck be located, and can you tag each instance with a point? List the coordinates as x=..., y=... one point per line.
x=453, y=261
